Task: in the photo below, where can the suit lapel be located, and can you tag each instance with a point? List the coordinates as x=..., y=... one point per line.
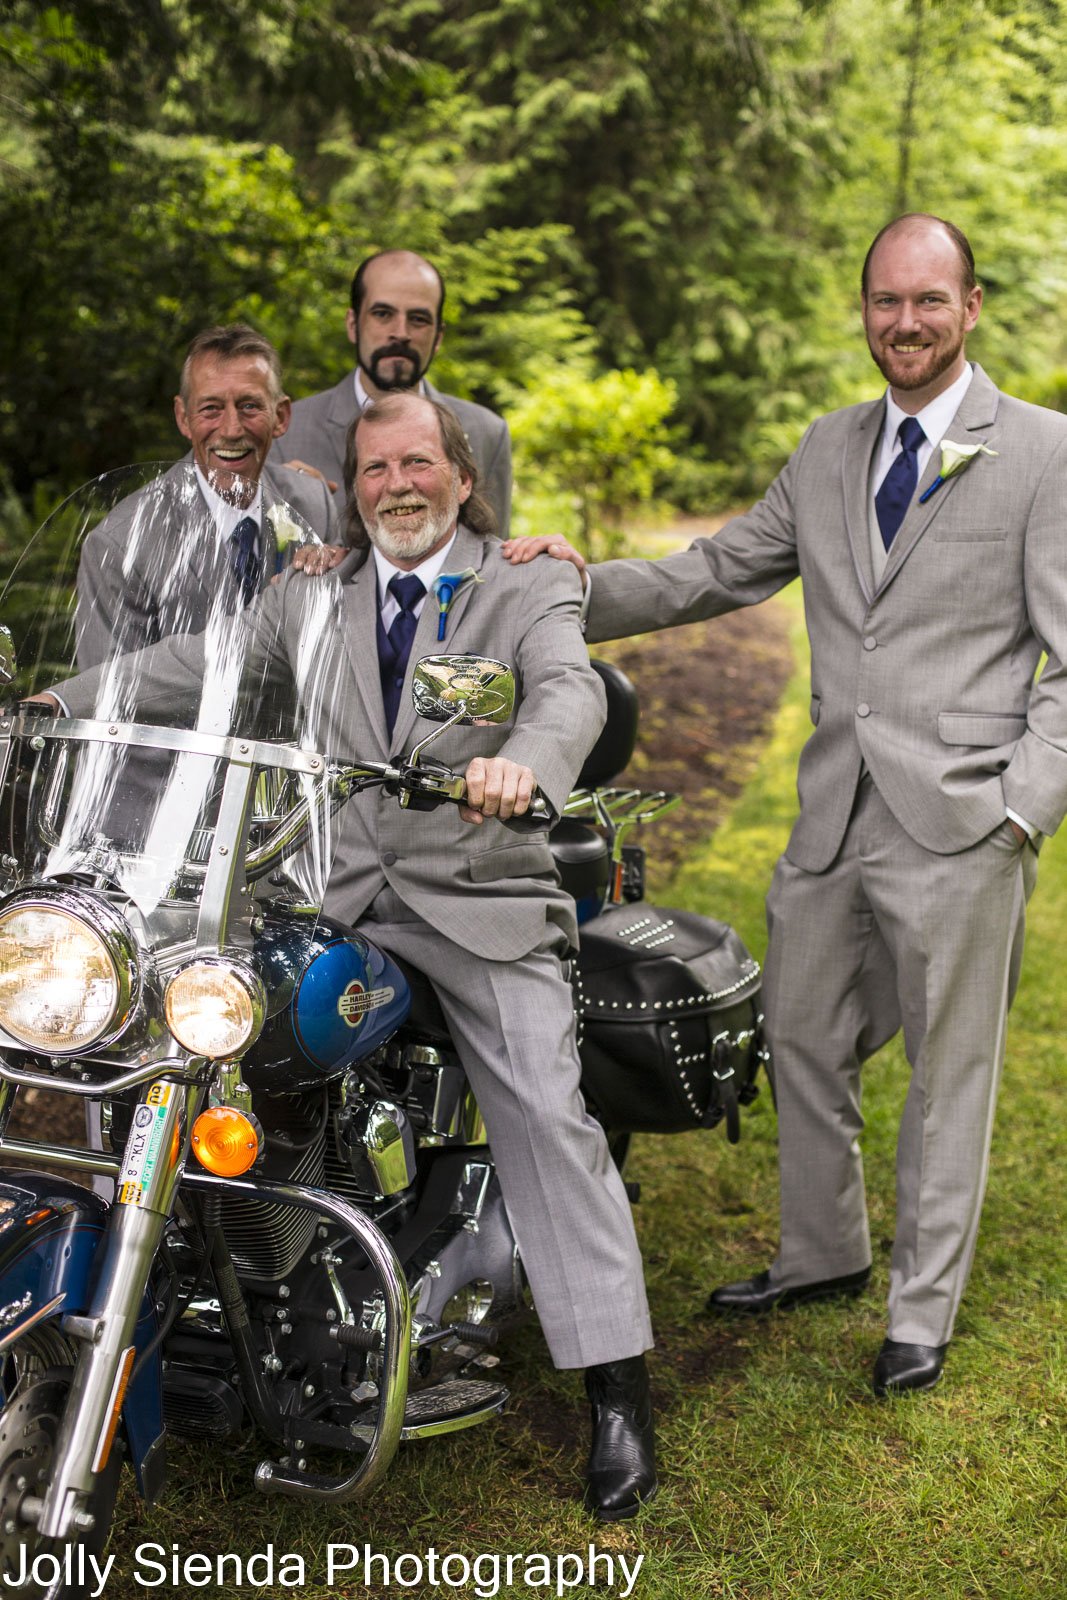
x=271, y=496
x=196, y=537
x=361, y=646
x=859, y=451
x=468, y=551
x=976, y=416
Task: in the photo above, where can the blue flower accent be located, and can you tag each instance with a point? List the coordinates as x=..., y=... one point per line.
x=445, y=587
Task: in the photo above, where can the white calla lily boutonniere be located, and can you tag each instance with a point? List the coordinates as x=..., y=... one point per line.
x=445, y=588
x=954, y=458
x=286, y=531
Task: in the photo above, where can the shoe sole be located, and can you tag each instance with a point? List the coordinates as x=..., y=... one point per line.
x=890, y=1391
x=786, y=1301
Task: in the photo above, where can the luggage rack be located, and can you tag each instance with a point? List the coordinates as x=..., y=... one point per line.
x=617, y=811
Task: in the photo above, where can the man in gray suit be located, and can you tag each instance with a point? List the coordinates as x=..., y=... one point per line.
x=394, y=322
x=933, y=580
x=205, y=535
x=473, y=904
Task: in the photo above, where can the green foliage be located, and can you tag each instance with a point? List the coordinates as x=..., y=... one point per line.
x=679, y=185
x=600, y=441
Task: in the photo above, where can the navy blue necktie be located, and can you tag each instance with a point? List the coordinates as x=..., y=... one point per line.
x=894, y=497
x=247, y=565
x=394, y=647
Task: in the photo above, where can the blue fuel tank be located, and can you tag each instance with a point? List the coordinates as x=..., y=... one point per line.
x=332, y=999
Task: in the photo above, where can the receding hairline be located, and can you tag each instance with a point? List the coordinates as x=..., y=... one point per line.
x=392, y=407
x=396, y=253
x=228, y=343
x=918, y=222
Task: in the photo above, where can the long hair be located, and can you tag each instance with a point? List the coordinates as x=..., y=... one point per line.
x=476, y=513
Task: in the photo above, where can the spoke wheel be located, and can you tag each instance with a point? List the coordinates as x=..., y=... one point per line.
x=36, y=1380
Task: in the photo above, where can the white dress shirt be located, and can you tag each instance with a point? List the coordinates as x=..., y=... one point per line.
x=426, y=572
x=226, y=516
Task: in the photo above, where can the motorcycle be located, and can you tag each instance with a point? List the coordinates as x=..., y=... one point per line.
x=305, y=1230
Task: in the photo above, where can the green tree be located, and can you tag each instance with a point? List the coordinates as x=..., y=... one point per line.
x=598, y=445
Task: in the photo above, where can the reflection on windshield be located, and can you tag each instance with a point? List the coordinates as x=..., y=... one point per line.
x=142, y=591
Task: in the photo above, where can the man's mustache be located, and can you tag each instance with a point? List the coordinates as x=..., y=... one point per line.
x=398, y=347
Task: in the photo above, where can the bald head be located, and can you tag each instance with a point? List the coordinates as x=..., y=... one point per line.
x=918, y=223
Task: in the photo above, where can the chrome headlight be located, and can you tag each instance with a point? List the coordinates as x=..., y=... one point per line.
x=67, y=972
x=215, y=1007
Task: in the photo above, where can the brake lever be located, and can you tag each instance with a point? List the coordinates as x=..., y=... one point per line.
x=430, y=784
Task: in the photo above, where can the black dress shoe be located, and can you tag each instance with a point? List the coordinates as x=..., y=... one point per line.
x=907, y=1366
x=756, y=1295
x=621, y=1477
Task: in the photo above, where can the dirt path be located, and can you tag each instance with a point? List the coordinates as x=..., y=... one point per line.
x=708, y=692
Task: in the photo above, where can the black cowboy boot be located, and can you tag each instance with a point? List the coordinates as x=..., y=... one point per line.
x=621, y=1477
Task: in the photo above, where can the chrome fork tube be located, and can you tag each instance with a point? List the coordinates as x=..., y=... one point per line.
x=151, y=1167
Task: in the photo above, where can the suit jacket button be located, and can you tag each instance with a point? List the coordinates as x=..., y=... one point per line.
x=870, y=643
x=389, y=859
x=863, y=710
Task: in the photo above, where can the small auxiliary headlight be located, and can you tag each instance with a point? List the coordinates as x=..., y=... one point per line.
x=226, y=1141
x=215, y=1007
x=65, y=982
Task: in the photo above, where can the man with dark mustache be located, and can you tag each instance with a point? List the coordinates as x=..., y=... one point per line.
x=219, y=514
x=395, y=324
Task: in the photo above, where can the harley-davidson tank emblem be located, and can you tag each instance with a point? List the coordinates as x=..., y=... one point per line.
x=356, y=1000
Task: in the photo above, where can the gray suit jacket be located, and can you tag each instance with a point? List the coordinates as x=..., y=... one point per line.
x=155, y=566
x=319, y=428
x=927, y=678
x=489, y=888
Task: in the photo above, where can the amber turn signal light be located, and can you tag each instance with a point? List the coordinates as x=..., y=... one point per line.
x=226, y=1141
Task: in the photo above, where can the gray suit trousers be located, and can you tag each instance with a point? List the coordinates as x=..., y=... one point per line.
x=892, y=935
x=513, y=1025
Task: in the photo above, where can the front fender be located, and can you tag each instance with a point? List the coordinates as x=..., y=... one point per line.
x=50, y=1229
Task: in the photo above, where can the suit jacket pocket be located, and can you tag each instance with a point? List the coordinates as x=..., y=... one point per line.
x=981, y=728
x=968, y=534
x=525, y=858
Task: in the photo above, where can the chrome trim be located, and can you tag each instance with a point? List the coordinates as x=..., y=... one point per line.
x=224, y=747
x=470, y=1419
x=226, y=863
x=125, y=1258
x=272, y=1477
x=114, y=931
x=249, y=980
x=166, y=1067
x=59, y=1156
x=31, y=1321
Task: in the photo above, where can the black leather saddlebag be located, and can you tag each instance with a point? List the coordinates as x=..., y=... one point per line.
x=669, y=1020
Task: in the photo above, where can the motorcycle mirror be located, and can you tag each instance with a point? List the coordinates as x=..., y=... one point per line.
x=463, y=689
x=7, y=657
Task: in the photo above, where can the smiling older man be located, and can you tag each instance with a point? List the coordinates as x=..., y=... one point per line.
x=478, y=909
x=212, y=511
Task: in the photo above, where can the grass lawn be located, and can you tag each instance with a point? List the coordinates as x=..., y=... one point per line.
x=781, y=1475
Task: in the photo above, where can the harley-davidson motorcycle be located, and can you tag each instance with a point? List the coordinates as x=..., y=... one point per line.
x=288, y=1216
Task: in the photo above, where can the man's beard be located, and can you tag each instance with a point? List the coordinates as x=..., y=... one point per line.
x=922, y=374
x=390, y=384
x=400, y=545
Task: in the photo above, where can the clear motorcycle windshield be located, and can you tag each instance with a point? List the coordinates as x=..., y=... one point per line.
x=166, y=630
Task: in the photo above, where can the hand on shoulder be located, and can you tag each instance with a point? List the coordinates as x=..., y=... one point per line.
x=518, y=551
